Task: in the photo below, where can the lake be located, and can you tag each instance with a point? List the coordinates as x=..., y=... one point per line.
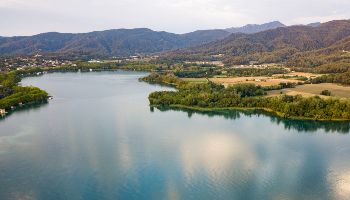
x=99, y=139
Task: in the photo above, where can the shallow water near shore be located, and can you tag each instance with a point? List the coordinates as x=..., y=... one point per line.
x=99, y=139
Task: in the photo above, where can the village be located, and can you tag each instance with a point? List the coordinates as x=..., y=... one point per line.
x=25, y=62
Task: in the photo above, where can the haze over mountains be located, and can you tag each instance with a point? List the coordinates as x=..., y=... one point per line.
x=276, y=45
x=121, y=42
x=118, y=42
x=255, y=28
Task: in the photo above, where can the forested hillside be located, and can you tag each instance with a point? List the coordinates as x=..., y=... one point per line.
x=120, y=42
x=255, y=28
x=277, y=45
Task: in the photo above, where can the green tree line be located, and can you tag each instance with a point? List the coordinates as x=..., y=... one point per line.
x=13, y=95
x=248, y=96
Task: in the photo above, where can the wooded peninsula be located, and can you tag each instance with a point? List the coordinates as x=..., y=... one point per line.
x=211, y=97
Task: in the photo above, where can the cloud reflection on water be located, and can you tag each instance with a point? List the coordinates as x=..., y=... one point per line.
x=114, y=147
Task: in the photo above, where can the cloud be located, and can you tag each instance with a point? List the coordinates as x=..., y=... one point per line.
x=25, y=17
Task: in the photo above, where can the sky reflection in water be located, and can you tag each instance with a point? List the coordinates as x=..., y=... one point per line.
x=98, y=139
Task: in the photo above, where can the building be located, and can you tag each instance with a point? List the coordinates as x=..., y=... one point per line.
x=2, y=112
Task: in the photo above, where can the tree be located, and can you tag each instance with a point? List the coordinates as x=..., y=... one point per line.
x=326, y=93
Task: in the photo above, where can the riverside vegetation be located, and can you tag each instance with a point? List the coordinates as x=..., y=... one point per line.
x=199, y=96
x=12, y=95
x=211, y=96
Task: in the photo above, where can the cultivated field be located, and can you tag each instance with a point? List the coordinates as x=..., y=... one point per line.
x=307, y=90
x=298, y=74
x=315, y=89
x=195, y=80
x=263, y=81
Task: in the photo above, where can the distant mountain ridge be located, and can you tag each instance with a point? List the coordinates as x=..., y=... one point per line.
x=121, y=42
x=116, y=42
x=315, y=24
x=275, y=45
x=255, y=28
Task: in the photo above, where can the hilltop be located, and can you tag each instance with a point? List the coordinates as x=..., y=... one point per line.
x=272, y=46
x=117, y=42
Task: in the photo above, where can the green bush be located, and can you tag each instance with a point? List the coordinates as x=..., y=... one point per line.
x=326, y=93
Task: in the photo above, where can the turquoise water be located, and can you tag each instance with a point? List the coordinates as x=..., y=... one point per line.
x=99, y=139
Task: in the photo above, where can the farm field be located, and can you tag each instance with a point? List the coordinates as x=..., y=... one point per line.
x=258, y=80
x=307, y=90
x=315, y=89
x=298, y=74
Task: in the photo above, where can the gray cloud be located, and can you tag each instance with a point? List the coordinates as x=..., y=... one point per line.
x=26, y=17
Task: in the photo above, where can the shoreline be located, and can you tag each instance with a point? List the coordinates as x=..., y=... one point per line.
x=28, y=74
x=194, y=108
x=29, y=105
x=277, y=114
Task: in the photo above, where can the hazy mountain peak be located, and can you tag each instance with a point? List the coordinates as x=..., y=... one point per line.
x=255, y=28
x=114, y=42
x=315, y=24
x=273, y=46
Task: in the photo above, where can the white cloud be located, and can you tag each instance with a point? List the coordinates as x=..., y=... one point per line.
x=25, y=17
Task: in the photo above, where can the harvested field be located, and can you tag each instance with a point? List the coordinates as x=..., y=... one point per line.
x=195, y=80
x=299, y=74
x=315, y=89
x=263, y=81
x=258, y=80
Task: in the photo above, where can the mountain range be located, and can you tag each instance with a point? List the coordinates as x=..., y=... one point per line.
x=275, y=45
x=255, y=28
x=118, y=42
x=121, y=42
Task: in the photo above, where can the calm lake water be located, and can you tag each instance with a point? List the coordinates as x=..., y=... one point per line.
x=99, y=139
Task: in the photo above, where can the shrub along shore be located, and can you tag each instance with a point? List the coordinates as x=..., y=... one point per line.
x=212, y=97
x=196, y=96
x=13, y=96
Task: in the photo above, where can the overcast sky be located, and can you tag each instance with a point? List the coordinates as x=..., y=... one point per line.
x=28, y=17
